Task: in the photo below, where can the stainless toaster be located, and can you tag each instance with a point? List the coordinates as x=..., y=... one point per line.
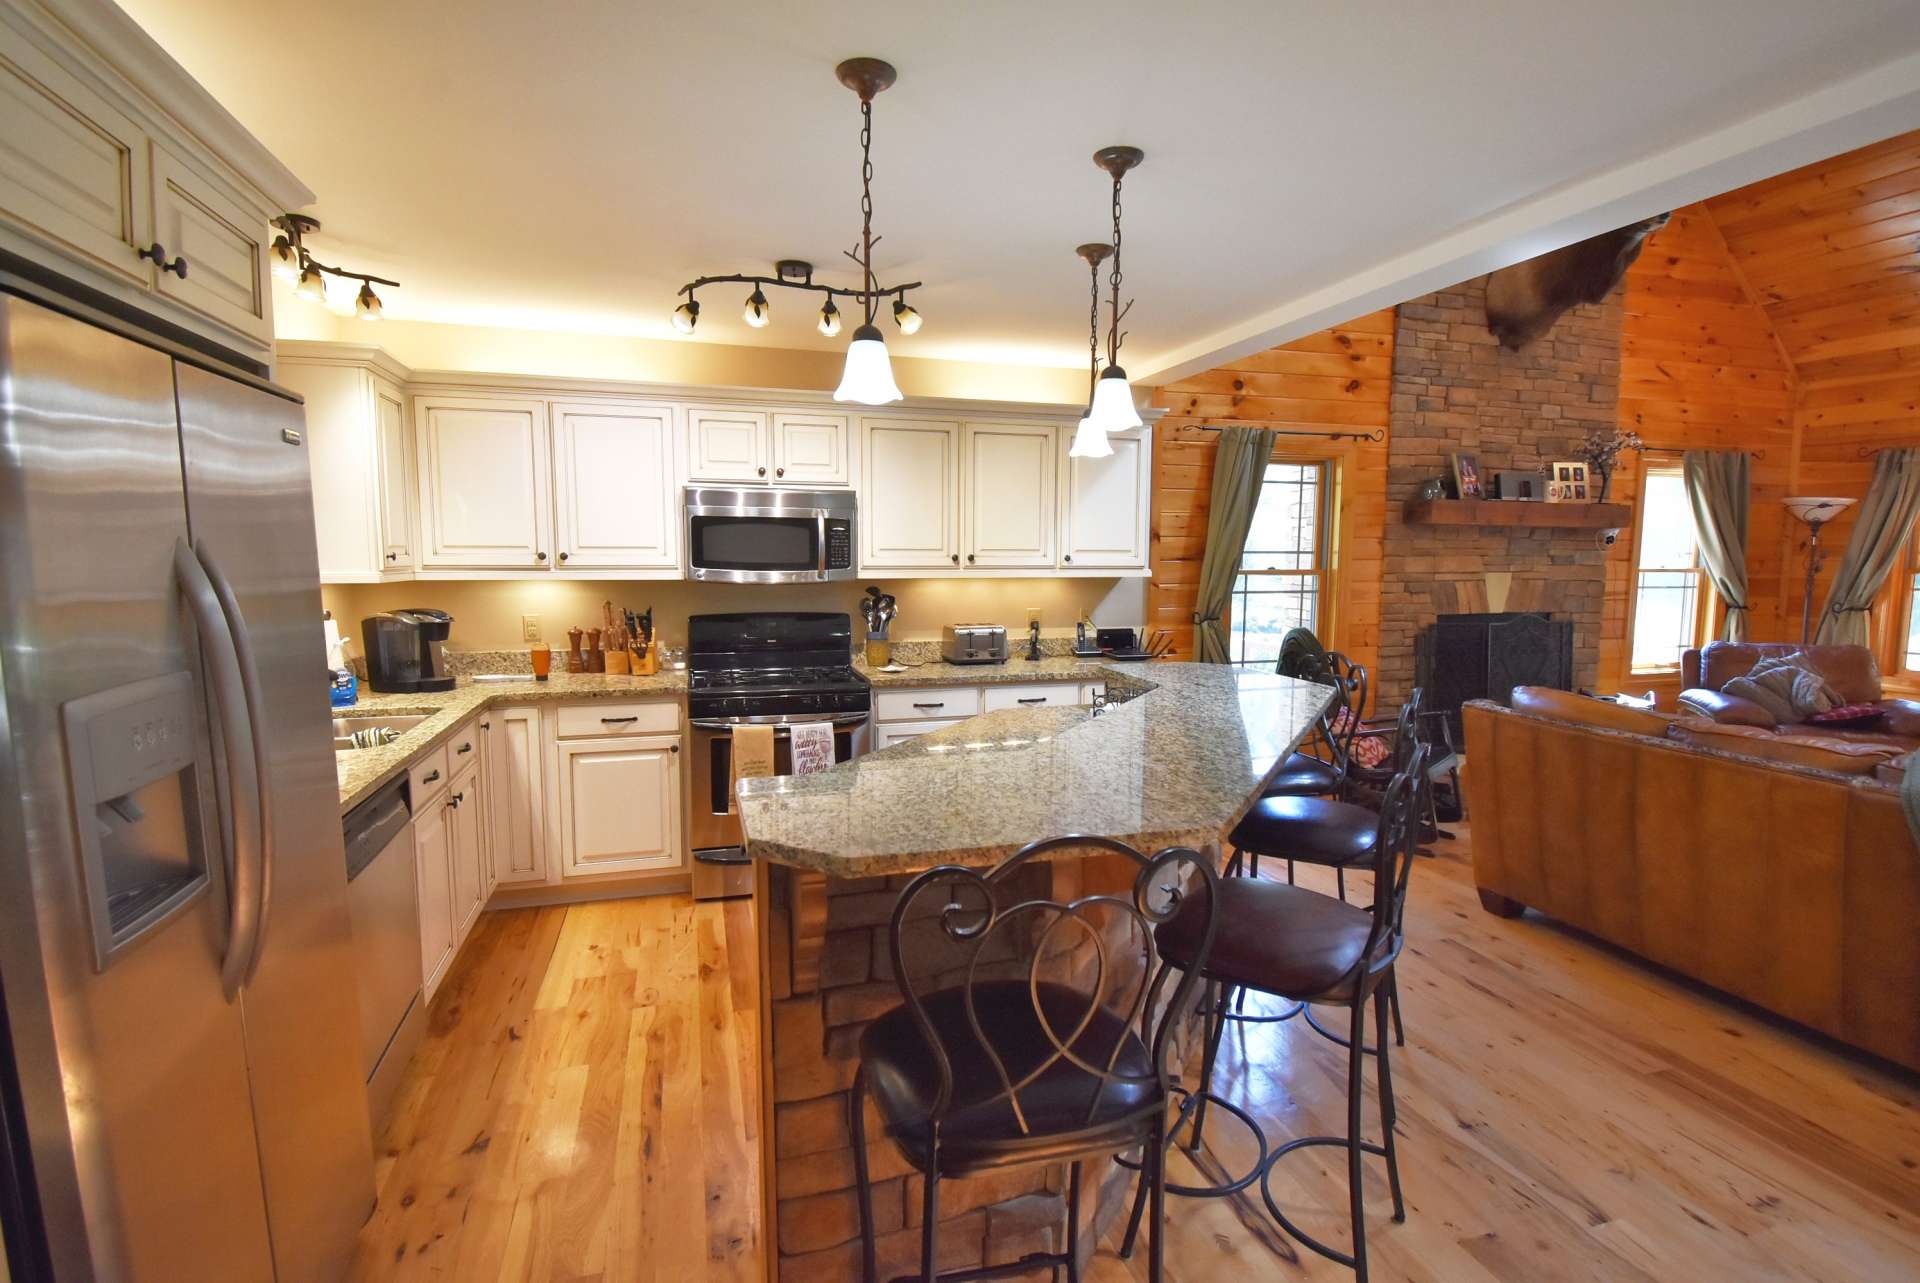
x=974, y=644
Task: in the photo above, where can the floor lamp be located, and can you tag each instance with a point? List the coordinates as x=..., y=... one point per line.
x=1816, y=511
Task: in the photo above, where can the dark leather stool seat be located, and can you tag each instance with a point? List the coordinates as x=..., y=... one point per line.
x=1274, y=937
x=1303, y=776
x=980, y=1128
x=1313, y=830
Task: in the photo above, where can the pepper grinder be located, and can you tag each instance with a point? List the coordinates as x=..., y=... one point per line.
x=596, y=658
x=576, y=662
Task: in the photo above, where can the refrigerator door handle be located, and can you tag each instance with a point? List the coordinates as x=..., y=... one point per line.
x=236, y=736
x=249, y=674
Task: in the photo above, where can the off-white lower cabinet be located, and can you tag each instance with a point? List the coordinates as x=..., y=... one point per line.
x=466, y=801
x=902, y=714
x=516, y=817
x=432, y=849
x=620, y=806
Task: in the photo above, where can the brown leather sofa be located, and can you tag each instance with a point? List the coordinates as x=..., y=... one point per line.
x=1850, y=670
x=1793, y=887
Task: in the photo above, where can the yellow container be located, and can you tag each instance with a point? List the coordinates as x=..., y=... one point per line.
x=879, y=652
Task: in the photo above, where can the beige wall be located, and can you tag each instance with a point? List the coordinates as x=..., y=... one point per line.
x=490, y=350
x=487, y=613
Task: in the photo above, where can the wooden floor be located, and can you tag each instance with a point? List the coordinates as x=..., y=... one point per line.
x=584, y=1111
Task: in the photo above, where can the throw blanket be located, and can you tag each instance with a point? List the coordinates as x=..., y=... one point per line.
x=1788, y=687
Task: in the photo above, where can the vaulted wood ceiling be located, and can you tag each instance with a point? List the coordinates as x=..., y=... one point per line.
x=1831, y=252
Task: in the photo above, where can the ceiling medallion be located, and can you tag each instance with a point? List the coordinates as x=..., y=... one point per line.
x=868, y=376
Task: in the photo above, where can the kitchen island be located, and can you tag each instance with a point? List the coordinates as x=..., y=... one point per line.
x=1178, y=762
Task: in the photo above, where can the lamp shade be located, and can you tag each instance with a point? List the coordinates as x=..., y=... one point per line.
x=868, y=377
x=1112, y=409
x=1817, y=510
x=1089, y=442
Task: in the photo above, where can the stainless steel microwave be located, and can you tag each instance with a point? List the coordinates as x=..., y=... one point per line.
x=767, y=535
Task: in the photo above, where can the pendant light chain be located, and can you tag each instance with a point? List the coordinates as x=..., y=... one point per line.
x=866, y=205
x=1093, y=328
x=1113, y=280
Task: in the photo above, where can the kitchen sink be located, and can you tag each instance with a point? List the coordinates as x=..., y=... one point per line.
x=345, y=727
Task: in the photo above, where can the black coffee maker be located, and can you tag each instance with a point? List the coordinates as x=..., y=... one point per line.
x=406, y=650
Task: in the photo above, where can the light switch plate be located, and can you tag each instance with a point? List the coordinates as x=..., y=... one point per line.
x=530, y=628
x=1033, y=614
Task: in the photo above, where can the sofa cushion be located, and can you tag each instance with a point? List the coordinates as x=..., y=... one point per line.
x=1565, y=706
x=1828, y=753
x=1728, y=710
x=1903, y=717
x=1893, y=772
x=1850, y=670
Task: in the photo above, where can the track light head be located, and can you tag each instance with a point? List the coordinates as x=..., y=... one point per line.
x=285, y=259
x=312, y=285
x=829, y=318
x=366, y=304
x=686, y=316
x=905, y=317
x=756, y=311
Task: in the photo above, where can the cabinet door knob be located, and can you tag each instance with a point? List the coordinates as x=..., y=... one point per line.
x=539, y=556
x=762, y=471
x=956, y=558
x=565, y=555
x=673, y=748
x=1069, y=557
x=969, y=559
x=779, y=472
x=158, y=253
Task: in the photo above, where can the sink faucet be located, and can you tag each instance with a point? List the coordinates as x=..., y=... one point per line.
x=1033, y=639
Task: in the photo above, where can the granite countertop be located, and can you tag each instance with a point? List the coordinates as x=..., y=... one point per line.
x=362, y=770
x=1179, y=763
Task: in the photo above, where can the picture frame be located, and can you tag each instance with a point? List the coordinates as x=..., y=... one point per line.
x=1567, y=482
x=1515, y=484
x=1466, y=477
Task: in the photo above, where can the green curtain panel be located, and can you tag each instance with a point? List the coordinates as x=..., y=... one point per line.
x=1239, y=466
x=1717, y=490
x=1881, y=530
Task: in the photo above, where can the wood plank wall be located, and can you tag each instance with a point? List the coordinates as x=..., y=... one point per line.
x=1700, y=368
x=1830, y=250
x=1339, y=380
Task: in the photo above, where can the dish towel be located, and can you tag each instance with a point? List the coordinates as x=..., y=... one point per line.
x=752, y=755
x=812, y=747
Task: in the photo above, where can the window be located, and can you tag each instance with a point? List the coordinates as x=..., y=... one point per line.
x=1667, y=600
x=1283, y=571
x=1910, y=645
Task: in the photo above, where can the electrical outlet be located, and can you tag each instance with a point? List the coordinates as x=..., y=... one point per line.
x=530, y=628
x=1033, y=614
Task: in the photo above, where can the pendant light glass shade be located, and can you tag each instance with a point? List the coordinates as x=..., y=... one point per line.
x=366, y=304
x=905, y=317
x=312, y=285
x=1089, y=442
x=686, y=316
x=829, y=319
x=755, y=313
x=285, y=259
x=1113, y=409
x=868, y=378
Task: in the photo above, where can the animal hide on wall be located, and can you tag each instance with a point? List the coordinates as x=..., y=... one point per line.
x=1523, y=301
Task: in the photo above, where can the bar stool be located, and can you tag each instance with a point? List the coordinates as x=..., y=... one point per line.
x=1300, y=945
x=995, y=1073
x=1324, y=772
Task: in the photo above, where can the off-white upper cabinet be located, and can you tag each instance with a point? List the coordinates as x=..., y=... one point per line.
x=759, y=447
x=910, y=494
x=1009, y=488
x=102, y=181
x=360, y=452
x=1105, y=504
x=484, y=483
x=614, y=487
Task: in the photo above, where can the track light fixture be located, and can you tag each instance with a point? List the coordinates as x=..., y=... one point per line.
x=1112, y=409
x=1089, y=441
x=291, y=262
x=868, y=376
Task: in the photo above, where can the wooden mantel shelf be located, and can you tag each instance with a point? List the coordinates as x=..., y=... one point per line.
x=1518, y=512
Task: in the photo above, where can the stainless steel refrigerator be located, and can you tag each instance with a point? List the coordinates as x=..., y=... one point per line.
x=180, y=1087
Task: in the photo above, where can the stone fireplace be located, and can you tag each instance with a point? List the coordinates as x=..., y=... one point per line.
x=1456, y=389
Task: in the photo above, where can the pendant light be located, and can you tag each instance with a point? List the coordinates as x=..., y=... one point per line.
x=868, y=375
x=1089, y=442
x=1112, y=409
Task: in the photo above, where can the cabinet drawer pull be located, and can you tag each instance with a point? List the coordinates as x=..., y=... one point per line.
x=158, y=253
x=1037, y=699
x=393, y=556
x=430, y=778
x=618, y=721
x=940, y=704
x=468, y=747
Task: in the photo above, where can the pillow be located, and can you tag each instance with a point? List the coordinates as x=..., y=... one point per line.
x=1369, y=751
x=1789, y=687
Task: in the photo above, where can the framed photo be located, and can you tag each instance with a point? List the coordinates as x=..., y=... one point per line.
x=1513, y=484
x=1466, y=477
x=1568, y=483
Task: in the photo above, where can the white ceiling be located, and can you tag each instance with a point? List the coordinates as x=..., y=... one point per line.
x=569, y=165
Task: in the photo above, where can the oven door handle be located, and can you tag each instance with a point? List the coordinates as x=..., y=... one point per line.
x=722, y=724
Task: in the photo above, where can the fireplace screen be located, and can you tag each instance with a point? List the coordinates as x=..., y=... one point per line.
x=1463, y=657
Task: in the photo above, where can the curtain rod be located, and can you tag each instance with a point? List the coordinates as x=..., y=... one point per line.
x=1376, y=436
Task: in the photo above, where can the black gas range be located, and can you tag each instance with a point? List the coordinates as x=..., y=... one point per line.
x=773, y=667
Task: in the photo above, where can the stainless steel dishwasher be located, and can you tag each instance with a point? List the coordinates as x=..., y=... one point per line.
x=386, y=939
